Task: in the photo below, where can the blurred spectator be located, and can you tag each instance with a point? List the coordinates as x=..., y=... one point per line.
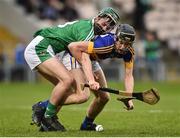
x=29, y=5
x=69, y=11
x=141, y=7
x=19, y=69
x=49, y=9
x=174, y=45
x=19, y=54
x=44, y=9
x=86, y=8
x=140, y=56
x=153, y=55
x=2, y=63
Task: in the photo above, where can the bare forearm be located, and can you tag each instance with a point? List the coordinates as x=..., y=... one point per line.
x=80, y=51
x=77, y=48
x=87, y=67
x=129, y=83
x=129, y=86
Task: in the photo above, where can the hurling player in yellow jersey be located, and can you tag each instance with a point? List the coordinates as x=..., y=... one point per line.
x=119, y=45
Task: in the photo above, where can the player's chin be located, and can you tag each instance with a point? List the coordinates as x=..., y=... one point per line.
x=120, y=51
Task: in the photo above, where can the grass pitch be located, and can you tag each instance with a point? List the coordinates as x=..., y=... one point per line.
x=162, y=119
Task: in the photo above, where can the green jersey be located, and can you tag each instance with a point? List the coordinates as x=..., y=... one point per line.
x=60, y=36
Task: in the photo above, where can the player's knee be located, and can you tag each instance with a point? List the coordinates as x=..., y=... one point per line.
x=68, y=82
x=85, y=98
x=82, y=98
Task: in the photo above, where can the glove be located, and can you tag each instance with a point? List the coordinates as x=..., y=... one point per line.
x=126, y=102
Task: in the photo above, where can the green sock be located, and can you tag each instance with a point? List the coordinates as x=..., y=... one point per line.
x=50, y=110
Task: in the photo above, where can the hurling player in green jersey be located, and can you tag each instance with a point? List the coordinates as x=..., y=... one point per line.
x=40, y=55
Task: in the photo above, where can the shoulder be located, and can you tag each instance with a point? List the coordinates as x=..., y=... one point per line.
x=104, y=40
x=131, y=51
x=85, y=24
x=129, y=54
x=107, y=38
x=85, y=29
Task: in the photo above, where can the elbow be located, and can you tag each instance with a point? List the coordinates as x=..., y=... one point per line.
x=71, y=47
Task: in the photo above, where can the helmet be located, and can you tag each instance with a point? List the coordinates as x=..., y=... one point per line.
x=110, y=12
x=125, y=32
x=111, y=23
x=125, y=35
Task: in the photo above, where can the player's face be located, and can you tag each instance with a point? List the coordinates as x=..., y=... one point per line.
x=122, y=46
x=103, y=25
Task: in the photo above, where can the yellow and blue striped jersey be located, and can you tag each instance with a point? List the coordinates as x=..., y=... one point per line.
x=102, y=47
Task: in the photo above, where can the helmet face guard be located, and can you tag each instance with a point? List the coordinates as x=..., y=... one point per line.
x=126, y=33
x=98, y=30
x=107, y=21
x=126, y=36
x=110, y=12
x=112, y=18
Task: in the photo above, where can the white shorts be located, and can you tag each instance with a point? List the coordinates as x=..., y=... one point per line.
x=71, y=63
x=30, y=52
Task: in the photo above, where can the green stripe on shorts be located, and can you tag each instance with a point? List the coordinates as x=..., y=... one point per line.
x=41, y=50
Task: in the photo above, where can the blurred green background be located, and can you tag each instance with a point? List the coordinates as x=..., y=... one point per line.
x=160, y=120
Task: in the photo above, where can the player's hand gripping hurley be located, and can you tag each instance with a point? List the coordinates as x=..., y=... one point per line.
x=150, y=96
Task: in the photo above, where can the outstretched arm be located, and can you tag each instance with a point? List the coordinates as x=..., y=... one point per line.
x=129, y=84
